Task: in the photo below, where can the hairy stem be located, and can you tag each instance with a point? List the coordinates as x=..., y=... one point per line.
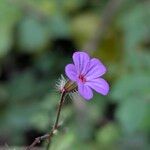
x=49, y=135
x=57, y=118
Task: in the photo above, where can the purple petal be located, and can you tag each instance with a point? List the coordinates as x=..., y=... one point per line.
x=96, y=69
x=71, y=72
x=99, y=85
x=81, y=61
x=85, y=91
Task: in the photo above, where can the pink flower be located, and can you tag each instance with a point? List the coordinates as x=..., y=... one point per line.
x=87, y=74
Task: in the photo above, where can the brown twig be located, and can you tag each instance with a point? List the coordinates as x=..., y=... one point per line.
x=37, y=141
x=57, y=118
x=48, y=136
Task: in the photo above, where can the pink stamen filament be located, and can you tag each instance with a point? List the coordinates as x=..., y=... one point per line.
x=82, y=78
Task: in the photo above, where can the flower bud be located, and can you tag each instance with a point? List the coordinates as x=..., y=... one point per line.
x=70, y=86
x=64, y=85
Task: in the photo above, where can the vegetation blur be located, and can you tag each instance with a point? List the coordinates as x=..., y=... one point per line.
x=37, y=40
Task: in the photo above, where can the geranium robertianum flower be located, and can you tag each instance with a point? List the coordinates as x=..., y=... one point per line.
x=86, y=73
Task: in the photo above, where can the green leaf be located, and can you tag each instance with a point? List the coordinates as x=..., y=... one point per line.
x=132, y=85
x=131, y=114
x=59, y=26
x=5, y=41
x=33, y=34
x=22, y=86
x=65, y=141
x=108, y=135
x=8, y=19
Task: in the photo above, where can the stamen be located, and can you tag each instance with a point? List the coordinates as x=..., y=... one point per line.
x=82, y=78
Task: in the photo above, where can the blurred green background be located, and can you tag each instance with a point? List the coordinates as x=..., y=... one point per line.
x=37, y=40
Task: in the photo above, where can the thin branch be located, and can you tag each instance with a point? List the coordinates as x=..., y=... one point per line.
x=37, y=141
x=59, y=109
x=57, y=118
x=48, y=136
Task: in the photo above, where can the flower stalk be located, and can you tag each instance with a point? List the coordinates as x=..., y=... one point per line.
x=56, y=126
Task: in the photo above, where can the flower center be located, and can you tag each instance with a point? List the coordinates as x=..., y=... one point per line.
x=82, y=78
